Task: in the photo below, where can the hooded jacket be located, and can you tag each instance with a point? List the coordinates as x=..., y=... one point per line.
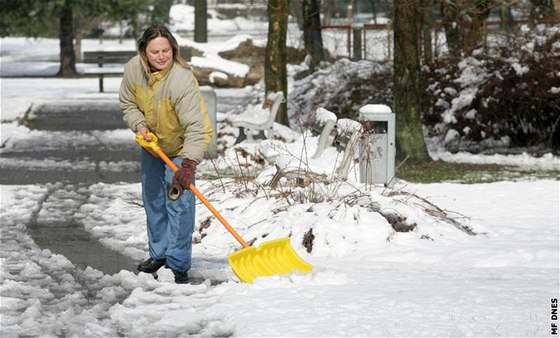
x=169, y=103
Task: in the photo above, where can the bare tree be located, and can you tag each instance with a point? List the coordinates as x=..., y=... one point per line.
x=406, y=91
x=426, y=24
x=66, y=35
x=35, y=18
x=465, y=22
x=275, y=74
x=312, y=37
x=200, y=21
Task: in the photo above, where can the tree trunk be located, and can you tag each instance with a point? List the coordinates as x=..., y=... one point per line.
x=449, y=12
x=66, y=35
x=200, y=21
x=542, y=11
x=506, y=17
x=328, y=12
x=296, y=10
x=475, y=30
x=427, y=22
x=275, y=74
x=410, y=136
x=465, y=24
x=312, y=38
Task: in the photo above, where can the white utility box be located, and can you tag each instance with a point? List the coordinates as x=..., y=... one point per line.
x=377, y=147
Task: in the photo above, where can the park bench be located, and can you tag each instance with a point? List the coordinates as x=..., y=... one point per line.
x=324, y=123
x=321, y=124
x=287, y=157
x=115, y=58
x=290, y=164
x=348, y=136
x=258, y=120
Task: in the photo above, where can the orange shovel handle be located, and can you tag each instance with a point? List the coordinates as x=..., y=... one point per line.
x=153, y=145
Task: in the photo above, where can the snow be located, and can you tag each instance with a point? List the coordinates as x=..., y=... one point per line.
x=375, y=109
x=499, y=283
x=368, y=280
x=323, y=115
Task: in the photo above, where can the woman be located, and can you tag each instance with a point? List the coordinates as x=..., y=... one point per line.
x=160, y=94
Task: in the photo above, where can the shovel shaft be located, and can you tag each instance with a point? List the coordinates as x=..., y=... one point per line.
x=203, y=199
x=270, y=258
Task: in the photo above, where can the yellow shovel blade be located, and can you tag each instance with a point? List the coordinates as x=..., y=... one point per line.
x=270, y=258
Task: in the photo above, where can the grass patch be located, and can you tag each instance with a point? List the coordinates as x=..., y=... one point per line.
x=468, y=173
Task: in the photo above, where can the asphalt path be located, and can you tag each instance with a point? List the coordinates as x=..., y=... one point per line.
x=35, y=162
x=19, y=163
x=69, y=167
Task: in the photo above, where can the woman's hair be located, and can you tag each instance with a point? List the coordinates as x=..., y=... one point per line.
x=151, y=33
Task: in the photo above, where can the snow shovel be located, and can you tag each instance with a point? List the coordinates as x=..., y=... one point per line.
x=270, y=258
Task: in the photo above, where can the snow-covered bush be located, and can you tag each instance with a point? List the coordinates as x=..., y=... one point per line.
x=501, y=97
x=341, y=87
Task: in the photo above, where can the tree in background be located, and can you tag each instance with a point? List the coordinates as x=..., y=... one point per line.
x=464, y=23
x=130, y=13
x=427, y=25
x=69, y=20
x=34, y=18
x=312, y=38
x=21, y=17
x=406, y=91
x=66, y=36
x=200, y=21
x=544, y=11
x=275, y=74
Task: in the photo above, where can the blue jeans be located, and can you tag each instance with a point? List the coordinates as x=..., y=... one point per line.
x=170, y=223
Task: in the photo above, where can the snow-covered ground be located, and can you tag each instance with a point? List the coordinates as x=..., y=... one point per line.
x=368, y=280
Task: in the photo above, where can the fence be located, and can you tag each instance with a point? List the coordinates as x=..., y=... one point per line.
x=367, y=41
x=375, y=41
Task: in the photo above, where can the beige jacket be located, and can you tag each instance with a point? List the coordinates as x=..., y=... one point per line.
x=169, y=103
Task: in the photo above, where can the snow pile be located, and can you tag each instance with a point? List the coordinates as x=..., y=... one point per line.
x=452, y=285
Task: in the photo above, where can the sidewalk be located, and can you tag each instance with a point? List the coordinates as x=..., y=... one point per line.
x=95, y=158
x=71, y=145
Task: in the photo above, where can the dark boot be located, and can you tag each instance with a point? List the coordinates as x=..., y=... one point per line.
x=181, y=277
x=151, y=265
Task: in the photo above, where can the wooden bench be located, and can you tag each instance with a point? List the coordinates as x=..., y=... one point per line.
x=101, y=58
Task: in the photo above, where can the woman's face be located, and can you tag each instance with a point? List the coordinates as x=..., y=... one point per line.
x=159, y=53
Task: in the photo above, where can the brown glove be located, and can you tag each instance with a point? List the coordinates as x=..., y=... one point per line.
x=182, y=179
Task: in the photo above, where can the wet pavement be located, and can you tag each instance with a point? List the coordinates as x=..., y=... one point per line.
x=54, y=225
x=85, y=115
x=40, y=160
x=84, y=155
x=71, y=167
